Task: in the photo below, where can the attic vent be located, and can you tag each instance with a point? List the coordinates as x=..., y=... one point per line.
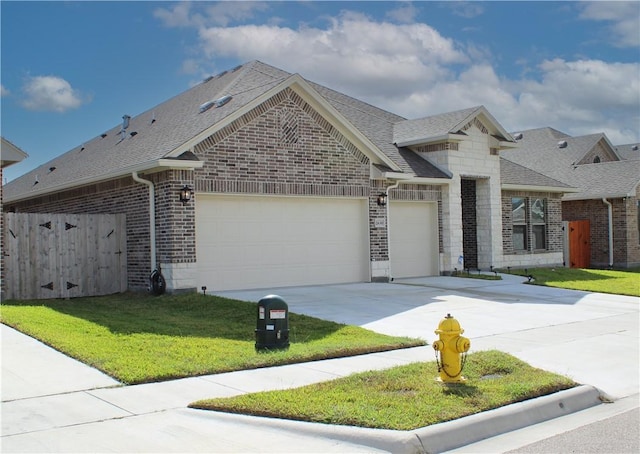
x=634, y=148
x=222, y=101
x=51, y=169
x=133, y=133
x=206, y=106
x=236, y=68
x=518, y=136
x=103, y=135
x=562, y=144
x=207, y=79
x=596, y=160
x=215, y=103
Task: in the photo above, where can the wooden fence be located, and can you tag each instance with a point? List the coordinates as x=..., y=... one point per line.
x=64, y=255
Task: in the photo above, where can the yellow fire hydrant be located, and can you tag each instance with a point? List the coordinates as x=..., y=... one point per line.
x=451, y=346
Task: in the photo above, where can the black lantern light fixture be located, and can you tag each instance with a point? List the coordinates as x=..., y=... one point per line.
x=185, y=194
x=382, y=199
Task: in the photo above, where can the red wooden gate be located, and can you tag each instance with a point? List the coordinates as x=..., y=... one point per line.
x=579, y=244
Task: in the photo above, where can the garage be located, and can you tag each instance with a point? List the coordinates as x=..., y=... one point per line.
x=245, y=242
x=413, y=232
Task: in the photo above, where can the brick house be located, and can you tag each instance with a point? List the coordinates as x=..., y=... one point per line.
x=297, y=184
x=608, y=183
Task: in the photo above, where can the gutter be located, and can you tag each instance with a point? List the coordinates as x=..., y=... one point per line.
x=152, y=216
x=389, y=188
x=610, y=214
x=155, y=165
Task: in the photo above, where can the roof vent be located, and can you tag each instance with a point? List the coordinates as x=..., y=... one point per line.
x=103, y=135
x=562, y=144
x=634, y=148
x=125, y=121
x=207, y=79
x=206, y=106
x=51, y=169
x=518, y=136
x=133, y=133
x=222, y=101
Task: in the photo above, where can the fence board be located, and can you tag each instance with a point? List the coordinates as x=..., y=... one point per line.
x=64, y=255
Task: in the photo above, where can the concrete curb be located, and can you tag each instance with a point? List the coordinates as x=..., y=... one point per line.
x=452, y=434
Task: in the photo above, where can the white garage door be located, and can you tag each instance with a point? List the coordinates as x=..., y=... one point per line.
x=413, y=231
x=247, y=242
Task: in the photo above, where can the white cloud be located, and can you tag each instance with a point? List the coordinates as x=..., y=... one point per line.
x=4, y=91
x=623, y=16
x=468, y=10
x=406, y=13
x=413, y=70
x=354, y=53
x=50, y=93
x=178, y=16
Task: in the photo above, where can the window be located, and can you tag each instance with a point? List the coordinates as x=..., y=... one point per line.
x=529, y=219
x=519, y=216
x=539, y=223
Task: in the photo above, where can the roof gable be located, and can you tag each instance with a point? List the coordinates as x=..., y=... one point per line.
x=570, y=160
x=449, y=126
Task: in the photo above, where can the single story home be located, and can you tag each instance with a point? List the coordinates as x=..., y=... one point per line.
x=260, y=178
x=605, y=211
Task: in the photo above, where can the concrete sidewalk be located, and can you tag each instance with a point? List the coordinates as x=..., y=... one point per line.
x=51, y=403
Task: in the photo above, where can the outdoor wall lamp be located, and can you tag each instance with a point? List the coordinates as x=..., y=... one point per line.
x=185, y=194
x=382, y=199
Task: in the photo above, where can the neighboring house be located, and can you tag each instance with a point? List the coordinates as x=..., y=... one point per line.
x=608, y=179
x=297, y=184
x=9, y=155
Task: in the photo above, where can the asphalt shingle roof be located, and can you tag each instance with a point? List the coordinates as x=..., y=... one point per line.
x=166, y=127
x=538, y=150
x=512, y=173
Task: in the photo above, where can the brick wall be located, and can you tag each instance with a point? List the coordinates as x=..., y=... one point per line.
x=131, y=198
x=554, y=222
x=626, y=248
x=469, y=225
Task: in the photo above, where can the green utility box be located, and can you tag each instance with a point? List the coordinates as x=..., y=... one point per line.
x=272, y=324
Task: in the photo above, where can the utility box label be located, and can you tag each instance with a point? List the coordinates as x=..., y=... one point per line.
x=277, y=314
x=379, y=223
x=261, y=312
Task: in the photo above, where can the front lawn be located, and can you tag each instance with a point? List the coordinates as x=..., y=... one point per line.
x=591, y=280
x=402, y=398
x=138, y=338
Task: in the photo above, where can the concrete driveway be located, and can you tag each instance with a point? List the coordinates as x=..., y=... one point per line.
x=51, y=403
x=590, y=337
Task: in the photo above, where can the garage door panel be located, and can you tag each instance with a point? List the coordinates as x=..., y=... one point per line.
x=255, y=242
x=413, y=239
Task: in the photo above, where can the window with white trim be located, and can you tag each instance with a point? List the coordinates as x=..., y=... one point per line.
x=529, y=223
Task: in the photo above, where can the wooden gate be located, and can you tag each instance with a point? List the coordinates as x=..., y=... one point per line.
x=579, y=244
x=64, y=255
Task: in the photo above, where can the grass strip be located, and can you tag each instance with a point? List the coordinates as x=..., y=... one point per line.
x=402, y=398
x=138, y=338
x=591, y=280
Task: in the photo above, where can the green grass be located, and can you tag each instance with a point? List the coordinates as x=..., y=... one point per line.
x=137, y=338
x=591, y=280
x=402, y=398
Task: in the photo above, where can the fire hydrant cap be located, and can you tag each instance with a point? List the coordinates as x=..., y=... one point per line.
x=449, y=325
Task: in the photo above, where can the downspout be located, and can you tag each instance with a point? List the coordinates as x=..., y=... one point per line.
x=152, y=217
x=610, y=210
x=393, y=186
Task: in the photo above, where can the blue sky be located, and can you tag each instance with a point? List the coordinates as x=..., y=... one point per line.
x=71, y=70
